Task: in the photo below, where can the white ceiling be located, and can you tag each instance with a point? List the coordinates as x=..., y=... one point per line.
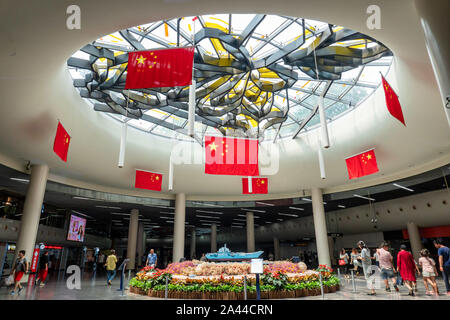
x=37, y=91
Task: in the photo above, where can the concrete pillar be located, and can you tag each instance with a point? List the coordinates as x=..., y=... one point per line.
x=179, y=225
x=434, y=21
x=320, y=227
x=213, y=237
x=140, y=243
x=192, y=251
x=32, y=211
x=250, y=232
x=414, y=239
x=331, y=248
x=132, y=238
x=276, y=248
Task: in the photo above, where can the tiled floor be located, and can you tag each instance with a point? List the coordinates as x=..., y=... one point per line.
x=96, y=289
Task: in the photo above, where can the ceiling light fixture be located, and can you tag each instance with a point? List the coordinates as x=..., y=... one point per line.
x=399, y=186
x=204, y=211
x=20, y=180
x=341, y=206
x=200, y=216
x=288, y=214
x=264, y=203
x=107, y=207
x=254, y=210
x=362, y=197
x=306, y=199
x=208, y=204
x=295, y=208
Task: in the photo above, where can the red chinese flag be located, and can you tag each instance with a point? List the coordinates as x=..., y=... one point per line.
x=160, y=68
x=61, y=143
x=231, y=156
x=392, y=102
x=362, y=165
x=259, y=186
x=148, y=180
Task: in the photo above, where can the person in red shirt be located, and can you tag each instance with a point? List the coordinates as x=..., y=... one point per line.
x=19, y=269
x=407, y=267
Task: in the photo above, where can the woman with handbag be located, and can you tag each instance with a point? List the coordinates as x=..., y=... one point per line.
x=343, y=262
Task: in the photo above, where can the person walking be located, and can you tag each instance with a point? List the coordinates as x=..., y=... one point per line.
x=111, y=262
x=152, y=259
x=429, y=272
x=354, y=260
x=344, y=261
x=43, y=269
x=366, y=262
x=19, y=269
x=444, y=262
x=407, y=267
x=385, y=260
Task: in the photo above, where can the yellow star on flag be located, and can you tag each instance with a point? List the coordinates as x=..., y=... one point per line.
x=141, y=59
x=369, y=156
x=213, y=146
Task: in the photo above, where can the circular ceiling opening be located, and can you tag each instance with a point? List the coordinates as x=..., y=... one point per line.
x=257, y=76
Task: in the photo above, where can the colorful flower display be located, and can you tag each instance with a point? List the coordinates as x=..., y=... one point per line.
x=198, y=278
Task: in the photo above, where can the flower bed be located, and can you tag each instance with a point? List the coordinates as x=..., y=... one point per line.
x=279, y=282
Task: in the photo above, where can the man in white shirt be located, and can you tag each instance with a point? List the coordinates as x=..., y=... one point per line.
x=366, y=262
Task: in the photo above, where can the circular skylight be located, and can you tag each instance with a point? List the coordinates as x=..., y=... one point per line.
x=258, y=76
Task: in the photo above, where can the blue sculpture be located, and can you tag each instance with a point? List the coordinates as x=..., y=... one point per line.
x=224, y=254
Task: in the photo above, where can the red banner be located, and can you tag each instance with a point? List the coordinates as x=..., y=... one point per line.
x=160, y=68
x=148, y=180
x=259, y=186
x=34, y=260
x=61, y=143
x=231, y=156
x=362, y=165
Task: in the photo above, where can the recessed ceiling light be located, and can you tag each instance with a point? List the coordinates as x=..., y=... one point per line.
x=306, y=199
x=253, y=210
x=167, y=218
x=204, y=211
x=402, y=187
x=341, y=206
x=264, y=203
x=279, y=219
x=167, y=212
x=20, y=179
x=209, y=217
x=107, y=207
x=362, y=197
x=288, y=215
x=236, y=219
x=295, y=208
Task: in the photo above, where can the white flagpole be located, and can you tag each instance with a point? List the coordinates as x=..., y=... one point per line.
x=321, y=161
x=170, y=187
x=123, y=143
x=250, y=186
x=191, y=110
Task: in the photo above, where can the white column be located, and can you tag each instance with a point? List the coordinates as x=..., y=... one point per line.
x=132, y=238
x=250, y=232
x=320, y=227
x=414, y=239
x=178, y=230
x=276, y=248
x=193, y=238
x=213, y=237
x=434, y=21
x=140, y=243
x=32, y=211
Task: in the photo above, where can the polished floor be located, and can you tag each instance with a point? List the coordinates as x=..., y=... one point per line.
x=95, y=288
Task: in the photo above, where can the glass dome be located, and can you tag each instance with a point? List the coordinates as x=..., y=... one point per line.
x=258, y=76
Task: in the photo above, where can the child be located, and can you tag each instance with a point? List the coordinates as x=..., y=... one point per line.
x=429, y=272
